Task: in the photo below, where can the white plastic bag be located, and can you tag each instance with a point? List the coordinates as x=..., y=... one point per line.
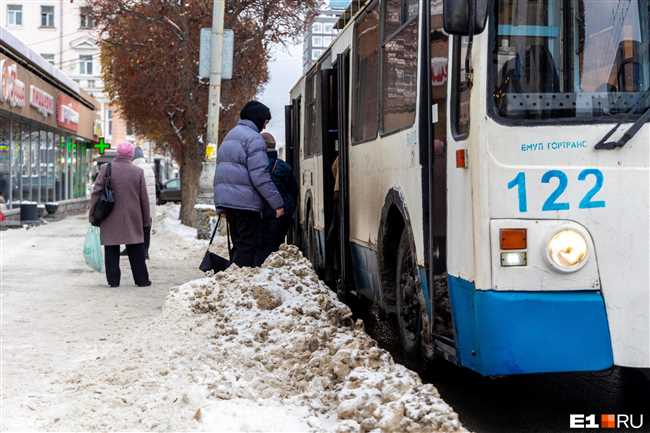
x=93, y=253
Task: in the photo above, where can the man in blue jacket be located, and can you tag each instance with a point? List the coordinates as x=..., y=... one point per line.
x=242, y=183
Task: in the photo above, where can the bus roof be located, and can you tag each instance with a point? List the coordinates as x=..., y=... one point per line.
x=349, y=14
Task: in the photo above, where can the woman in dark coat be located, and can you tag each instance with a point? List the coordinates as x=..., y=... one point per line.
x=274, y=230
x=126, y=223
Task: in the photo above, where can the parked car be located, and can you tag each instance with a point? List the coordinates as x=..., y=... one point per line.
x=171, y=191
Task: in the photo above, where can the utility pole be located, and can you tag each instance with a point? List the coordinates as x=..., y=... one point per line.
x=204, y=209
x=216, y=54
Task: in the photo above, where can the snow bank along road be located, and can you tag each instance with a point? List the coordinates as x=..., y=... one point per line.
x=268, y=349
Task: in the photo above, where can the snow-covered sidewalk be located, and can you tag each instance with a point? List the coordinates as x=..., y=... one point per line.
x=255, y=350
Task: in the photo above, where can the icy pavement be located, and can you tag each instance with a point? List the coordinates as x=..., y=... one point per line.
x=255, y=350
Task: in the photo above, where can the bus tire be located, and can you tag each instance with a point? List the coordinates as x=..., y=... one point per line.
x=311, y=241
x=409, y=320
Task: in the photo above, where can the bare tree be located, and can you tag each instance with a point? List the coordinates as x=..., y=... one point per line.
x=150, y=52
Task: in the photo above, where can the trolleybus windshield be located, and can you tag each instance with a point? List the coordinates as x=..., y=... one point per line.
x=571, y=59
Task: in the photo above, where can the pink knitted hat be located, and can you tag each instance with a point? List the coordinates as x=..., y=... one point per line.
x=125, y=149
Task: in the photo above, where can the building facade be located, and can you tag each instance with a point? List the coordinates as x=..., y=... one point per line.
x=64, y=34
x=48, y=128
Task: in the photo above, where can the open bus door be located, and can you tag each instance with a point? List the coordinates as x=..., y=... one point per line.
x=344, y=280
x=330, y=134
x=435, y=141
x=289, y=156
x=292, y=157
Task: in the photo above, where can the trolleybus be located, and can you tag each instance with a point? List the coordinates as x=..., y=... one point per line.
x=480, y=170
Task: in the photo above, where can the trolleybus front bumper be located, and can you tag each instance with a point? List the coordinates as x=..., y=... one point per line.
x=504, y=333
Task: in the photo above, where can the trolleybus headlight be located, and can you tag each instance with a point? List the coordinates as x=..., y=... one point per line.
x=567, y=250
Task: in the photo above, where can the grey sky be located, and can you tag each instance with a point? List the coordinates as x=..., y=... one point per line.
x=285, y=69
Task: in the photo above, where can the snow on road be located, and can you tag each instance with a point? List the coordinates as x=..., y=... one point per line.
x=255, y=350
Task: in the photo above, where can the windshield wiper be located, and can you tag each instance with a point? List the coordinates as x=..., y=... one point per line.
x=632, y=130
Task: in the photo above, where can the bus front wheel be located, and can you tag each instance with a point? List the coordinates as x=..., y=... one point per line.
x=409, y=320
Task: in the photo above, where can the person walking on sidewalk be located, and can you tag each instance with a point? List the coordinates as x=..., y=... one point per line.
x=126, y=223
x=242, y=183
x=275, y=229
x=150, y=181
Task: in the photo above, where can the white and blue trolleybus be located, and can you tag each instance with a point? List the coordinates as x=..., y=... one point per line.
x=480, y=171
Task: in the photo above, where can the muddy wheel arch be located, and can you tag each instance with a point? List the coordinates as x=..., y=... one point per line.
x=394, y=219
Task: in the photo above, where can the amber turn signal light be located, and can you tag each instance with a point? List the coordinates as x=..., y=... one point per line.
x=461, y=158
x=512, y=239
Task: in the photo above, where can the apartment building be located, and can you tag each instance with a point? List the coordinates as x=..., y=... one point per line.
x=321, y=31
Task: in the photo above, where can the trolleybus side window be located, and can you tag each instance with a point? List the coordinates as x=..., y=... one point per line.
x=313, y=134
x=460, y=114
x=365, y=120
x=400, y=58
x=570, y=59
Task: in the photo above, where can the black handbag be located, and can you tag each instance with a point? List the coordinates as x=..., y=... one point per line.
x=212, y=261
x=105, y=203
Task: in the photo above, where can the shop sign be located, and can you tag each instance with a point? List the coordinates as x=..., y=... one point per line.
x=12, y=90
x=67, y=115
x=41, y=100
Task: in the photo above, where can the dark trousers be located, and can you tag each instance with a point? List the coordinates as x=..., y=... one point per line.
x=147, y=240
x=245, y=233
x=136, y=254
x=274, y=232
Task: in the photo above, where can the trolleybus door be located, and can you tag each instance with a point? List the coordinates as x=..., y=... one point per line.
x=438, y=75
x=329, y=96
x=292, y=156
x=343, y=78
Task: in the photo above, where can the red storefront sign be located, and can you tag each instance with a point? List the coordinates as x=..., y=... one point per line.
x=67, y=113
x=41, y=100
x=12, y=90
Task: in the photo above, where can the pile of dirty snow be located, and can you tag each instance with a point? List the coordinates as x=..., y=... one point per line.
x=269, y=349
x=281, y=334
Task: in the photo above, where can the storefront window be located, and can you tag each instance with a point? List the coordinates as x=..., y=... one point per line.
x=16, y=163
x=50, y=166
x=43, y=166
x=78, y=175
x=26, y=163
x=35, y=165
x=69, y=179
x=59, y=166
x=81, y=162
x=5, y=160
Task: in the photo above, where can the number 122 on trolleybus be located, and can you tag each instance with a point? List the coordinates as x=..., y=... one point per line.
x=480, y=170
